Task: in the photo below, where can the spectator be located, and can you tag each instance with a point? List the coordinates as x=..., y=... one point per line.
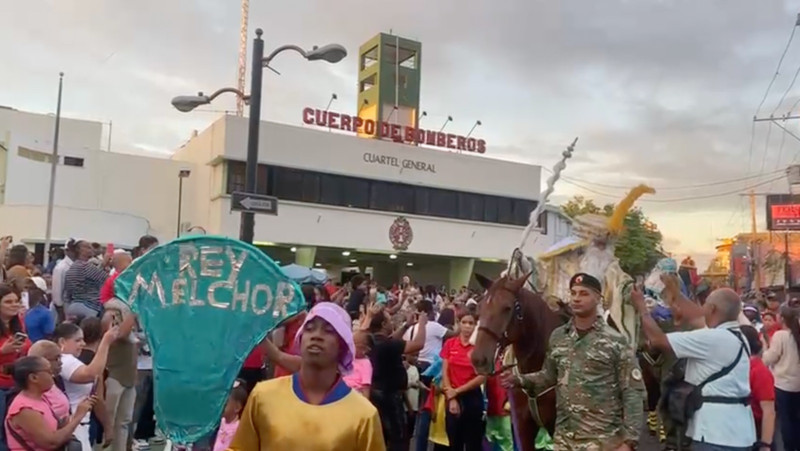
x=279, y=411
x=58, y=294
x=13, y=341
x=39, y=320
x=82, y=283
x=78, y=377
x=389, y=376
x=357, y=296
x=119, y=262
x=55, y=397
x=360, y=379
x=462, y=389
x=100, y=428
x=121, y=382
x=18, y=266
x=724, y=422
x=782, y=356
x=56, y=254
x=31, y=424
x=230, y=416
x=762, y=392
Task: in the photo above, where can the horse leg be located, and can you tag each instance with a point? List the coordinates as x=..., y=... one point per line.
x=524, y=426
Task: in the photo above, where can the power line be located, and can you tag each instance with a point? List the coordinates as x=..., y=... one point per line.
x=766, y=148
x=777, y=69
x=681, y=199
x=673, y=188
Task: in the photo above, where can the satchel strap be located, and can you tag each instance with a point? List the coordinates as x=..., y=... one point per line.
x=18, y=437
x=726, y=370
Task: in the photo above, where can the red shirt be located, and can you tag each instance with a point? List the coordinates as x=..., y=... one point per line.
x=459, y=366
x=291, y=329
x=6, y=381
x=107, y=290
x=496, y=395
x=762, y=387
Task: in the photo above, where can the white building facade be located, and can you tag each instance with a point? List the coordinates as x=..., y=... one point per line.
x=339, y=197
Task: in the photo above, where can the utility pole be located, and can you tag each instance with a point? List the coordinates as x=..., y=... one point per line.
x=753, y=251
x=53, y=165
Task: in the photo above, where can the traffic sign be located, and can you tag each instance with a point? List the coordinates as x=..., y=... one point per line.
x=254, y=203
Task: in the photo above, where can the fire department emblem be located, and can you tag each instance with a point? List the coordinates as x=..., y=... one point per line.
x=400, y=234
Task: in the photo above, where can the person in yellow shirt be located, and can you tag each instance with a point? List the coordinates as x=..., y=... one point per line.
x=313, y=409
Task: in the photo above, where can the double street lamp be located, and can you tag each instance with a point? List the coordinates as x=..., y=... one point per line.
x=332, y=53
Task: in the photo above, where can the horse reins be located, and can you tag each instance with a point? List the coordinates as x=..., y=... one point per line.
x=502, y=339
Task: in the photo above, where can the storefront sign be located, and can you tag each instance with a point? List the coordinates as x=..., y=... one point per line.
x=783, y=212
x=204, y=302
x=414, y=165
x=395, y=132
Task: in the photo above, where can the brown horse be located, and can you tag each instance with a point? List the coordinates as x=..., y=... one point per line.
x=511, y=315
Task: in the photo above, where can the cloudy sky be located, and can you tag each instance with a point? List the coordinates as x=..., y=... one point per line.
x=659, y=91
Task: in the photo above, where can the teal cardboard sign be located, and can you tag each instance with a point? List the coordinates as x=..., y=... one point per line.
x=204, y=303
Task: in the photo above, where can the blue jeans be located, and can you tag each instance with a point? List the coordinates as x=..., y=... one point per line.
x=3, y=411
x=422, y=429
x=703, y=446
x=787, y=408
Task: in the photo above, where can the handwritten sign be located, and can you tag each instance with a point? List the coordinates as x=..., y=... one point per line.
x=204, y=303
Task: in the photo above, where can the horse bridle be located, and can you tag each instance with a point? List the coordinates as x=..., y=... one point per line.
x=502, y=339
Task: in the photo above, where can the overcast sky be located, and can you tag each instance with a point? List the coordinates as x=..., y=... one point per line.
x=659, y=91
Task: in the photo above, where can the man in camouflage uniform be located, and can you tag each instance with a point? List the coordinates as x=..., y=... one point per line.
x=598, y=383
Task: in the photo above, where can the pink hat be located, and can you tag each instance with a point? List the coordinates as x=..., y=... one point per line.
x=341, y=323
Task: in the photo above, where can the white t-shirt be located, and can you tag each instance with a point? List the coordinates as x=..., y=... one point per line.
x=75, y=392
x=434, y=335
x=412, y=394
x=708, y=351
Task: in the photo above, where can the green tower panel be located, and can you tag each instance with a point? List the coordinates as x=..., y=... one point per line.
x=389, y=70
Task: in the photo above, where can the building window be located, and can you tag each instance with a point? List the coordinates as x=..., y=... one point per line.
x=328, y=189
x=73, y=161
x=236, y=176
x=369, y=58
x=368, y=83
x=541, y=223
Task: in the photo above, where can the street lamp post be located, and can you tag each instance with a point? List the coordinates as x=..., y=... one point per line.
x=53, y=166
x=182, y=174
x=332, y=53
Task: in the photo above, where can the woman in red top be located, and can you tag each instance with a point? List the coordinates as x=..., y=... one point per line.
x=462, y=388
x=13, y=341
x=762, y=391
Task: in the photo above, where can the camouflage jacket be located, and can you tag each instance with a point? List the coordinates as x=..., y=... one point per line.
x=599, y=388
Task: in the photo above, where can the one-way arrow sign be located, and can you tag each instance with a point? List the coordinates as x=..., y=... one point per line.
x=254, y=203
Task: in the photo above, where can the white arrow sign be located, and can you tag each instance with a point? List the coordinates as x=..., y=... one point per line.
x=250, y=204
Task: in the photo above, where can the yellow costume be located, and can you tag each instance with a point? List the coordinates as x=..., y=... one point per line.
x=278, y=418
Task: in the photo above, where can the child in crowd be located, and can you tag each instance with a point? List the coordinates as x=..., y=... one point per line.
x=360, y=379
x=230, y=416
x=498, y=419
x=412, y=393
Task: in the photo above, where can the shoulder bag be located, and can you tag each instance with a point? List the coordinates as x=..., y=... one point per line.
x=681, y=399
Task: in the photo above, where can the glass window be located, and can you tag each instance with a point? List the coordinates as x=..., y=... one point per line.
x=522, y=211
x=355, y=192
x=311, y=185
x=288, y=184
x=444, y=203
x=542, y=223
x=470, y=206
x=505, y=210
x=235, y=176
x=422, y=200
x=490, y=209
x=330, y=190
x=73, y=161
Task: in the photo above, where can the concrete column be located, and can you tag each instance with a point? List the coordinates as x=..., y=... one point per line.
x=305, y=256
x=460, y=272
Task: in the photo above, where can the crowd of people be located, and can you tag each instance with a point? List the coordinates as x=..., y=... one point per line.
x=367, y=367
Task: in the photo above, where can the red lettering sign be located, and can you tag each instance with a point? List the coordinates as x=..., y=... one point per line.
x=400, y=134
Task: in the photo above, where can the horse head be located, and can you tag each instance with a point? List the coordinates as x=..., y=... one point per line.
x=500, y=314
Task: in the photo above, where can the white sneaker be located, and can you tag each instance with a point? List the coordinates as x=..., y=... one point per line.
x=140, y=445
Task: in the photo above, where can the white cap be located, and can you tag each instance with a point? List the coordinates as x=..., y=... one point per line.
x=472, y=301
x=40, y=283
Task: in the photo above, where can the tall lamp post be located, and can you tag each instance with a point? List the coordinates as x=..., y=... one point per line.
x=182, y=174
x=53, y=165
x=332, y=53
